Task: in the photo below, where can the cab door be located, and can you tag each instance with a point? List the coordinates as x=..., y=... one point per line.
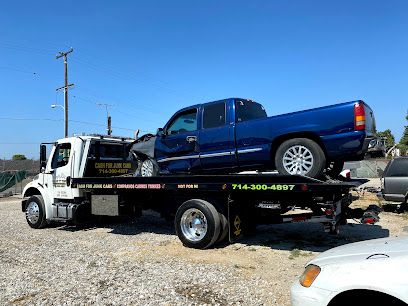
x=177, y=148
x=60, y=170
x=217, y=148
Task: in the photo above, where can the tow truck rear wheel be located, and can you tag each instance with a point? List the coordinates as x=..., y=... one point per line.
x=197, y=224
x=224, y=229
x=35, y=212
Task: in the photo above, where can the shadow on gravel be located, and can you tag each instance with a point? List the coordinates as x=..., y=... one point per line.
x=149, y=223
x=311, y=237
x=301, y=236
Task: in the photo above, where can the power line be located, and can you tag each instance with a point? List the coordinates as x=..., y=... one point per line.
x=119, y=111
x=29, y=119
x=157, y=83
x=19, y=143
x=74, y=121
x=19, y=70
x=31, y=50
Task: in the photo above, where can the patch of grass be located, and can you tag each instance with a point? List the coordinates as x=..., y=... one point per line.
x=237, y=266
x=404, y=216
x=252, y=249
x=295, y=253
x=23, y=298
x=164, y=243
x=92, y=264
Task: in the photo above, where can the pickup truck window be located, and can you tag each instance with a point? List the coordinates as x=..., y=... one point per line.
x=248, y=110
x=398, y=167
x=184, y=122
x=61, y=155
x=214, y=115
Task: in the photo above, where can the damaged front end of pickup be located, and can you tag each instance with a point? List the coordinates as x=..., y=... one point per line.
x=142, y=149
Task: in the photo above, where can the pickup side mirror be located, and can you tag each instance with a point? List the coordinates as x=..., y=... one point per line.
x=160, y=132
x=43, y=156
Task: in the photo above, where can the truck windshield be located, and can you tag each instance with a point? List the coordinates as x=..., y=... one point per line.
x=248, y=110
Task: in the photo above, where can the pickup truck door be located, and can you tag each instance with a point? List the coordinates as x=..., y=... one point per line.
x=177, y=149
x=217, y=149
x=253, y=146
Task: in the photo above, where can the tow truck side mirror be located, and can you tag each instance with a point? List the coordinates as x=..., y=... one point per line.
x=43, y=156
x=160, y=132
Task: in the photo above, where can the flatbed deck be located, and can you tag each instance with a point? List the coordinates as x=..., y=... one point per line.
x=243, y=200
x=241, y=183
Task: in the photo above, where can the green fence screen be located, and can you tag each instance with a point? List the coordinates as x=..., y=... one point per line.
x=10, y=178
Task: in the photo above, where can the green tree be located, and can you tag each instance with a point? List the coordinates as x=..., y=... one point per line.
x=403, y=144
x=19, y=157
x=390, y=139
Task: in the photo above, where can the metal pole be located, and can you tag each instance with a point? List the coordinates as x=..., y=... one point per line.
x=66, y=96
x=66, y=87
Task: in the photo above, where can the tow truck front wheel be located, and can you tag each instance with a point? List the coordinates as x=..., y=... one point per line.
x=197, y=224
x=35, y=212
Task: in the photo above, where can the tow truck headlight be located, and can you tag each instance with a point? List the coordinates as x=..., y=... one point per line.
x=309, y=275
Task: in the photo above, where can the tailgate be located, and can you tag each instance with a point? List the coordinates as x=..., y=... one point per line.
x=370, y=120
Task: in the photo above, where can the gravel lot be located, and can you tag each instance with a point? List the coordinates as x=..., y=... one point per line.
x=143, y=262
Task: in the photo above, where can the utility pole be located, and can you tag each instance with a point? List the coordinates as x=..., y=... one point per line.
x=109, y=118
x=65, y=87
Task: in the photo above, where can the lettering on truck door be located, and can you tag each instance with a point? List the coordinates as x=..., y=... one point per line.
x=60, y=168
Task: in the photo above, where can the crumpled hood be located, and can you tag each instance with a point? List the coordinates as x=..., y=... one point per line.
x=146, y=147
x=391, y=247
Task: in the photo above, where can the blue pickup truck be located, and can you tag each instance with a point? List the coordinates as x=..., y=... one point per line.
x=234, y=135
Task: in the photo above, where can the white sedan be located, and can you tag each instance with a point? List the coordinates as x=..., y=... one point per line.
x=371, y=272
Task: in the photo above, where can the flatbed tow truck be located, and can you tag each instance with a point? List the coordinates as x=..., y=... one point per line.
x=91, y=176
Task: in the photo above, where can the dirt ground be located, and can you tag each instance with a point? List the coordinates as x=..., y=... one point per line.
x=260, y=269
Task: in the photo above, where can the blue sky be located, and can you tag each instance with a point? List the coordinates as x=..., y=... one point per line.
x=150, y=58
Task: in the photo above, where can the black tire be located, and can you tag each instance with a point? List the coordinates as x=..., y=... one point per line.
x=147, y=163
x=199, y=208
x=334, y=169
x=224, y=228
x=319, y=159
x=35, y=212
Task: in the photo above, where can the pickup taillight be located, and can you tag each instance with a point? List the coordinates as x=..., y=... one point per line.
x=359, y=117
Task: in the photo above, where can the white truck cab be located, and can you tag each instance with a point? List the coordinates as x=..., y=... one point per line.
x=50, y=197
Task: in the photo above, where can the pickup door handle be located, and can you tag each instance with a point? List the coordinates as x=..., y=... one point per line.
x=191, y=139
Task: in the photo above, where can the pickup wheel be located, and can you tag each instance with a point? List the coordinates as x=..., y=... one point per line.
x=35, y=212
x=301, y=156
x=148, y=168
x=197, y=224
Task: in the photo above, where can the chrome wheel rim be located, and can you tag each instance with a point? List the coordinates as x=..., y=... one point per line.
x=147, y=168
x=298, y=160
x=33, y=212
x=193, y=224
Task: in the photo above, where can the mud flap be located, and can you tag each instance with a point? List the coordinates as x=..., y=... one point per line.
x=241, y=220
